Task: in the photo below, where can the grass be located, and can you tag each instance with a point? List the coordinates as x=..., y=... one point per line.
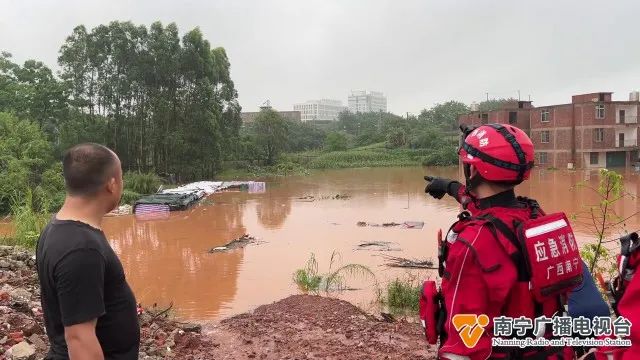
x=129, y=197
x=283, y=168
x=27, y=223
x=309, y=279
x=142, y=183
x=374, y=155
x=402, y=296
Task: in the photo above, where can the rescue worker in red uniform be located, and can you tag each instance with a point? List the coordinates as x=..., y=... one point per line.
x=627, y=306
x=483, y=272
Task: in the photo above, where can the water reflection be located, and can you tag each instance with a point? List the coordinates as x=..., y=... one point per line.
x=273, y=208
x=167, y=260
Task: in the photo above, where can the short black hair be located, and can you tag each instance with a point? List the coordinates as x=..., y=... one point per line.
x=87, y=167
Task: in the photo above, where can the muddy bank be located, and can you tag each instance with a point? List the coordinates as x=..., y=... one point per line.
x=298, y=327
x=314, y=327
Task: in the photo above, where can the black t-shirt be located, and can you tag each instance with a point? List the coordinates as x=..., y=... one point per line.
x=82, y=279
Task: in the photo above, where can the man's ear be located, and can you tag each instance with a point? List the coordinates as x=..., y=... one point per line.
x=111, y=185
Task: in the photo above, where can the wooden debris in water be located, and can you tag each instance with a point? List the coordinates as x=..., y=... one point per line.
x=377, y=246
x=399, y=262
x=404, y=225
x=336, y=197
x=238, y=243
x=311, y=198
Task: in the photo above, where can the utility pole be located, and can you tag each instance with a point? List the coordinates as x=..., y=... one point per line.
x=518, y=95
x=487, y=96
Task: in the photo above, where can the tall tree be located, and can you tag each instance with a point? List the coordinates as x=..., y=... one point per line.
x=444, y=116
x=31, y=91
x=163, y=103
x=271, y=134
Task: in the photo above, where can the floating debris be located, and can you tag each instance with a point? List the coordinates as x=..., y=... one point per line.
x=336, y=197
x=404, y=225
x=121, y=210
x=394, y=261
x=238, y=243
x=311, y=198
x=308, y=198
x=378, y=246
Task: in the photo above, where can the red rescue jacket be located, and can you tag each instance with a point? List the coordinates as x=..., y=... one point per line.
x=480, y=278
x=628, y=307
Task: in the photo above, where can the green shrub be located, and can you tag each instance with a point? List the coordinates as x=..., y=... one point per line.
x=441, y=157
x=142, y=183
x=25, y=163
x=129, y=197
x=402, y=296
x=309, y=280
x=336, y=141
x=396, y=139
x=28, y=222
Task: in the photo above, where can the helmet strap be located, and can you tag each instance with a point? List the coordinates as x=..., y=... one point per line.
x=471, y=182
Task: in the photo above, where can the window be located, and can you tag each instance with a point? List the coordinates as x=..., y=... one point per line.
x=600, y=111
x=601, y=96
x=513, y=117
x=544, y=116
x=598, y=135
x=485, y=119
x=544, y=137
x=593, y=158
x=543, y=158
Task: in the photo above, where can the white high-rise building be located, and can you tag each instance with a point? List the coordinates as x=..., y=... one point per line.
x=363, y=102
x=320, y=110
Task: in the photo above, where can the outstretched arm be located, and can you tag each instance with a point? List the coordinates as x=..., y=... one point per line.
x=439, y=187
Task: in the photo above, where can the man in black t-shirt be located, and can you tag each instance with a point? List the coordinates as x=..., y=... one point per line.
x=89, y=309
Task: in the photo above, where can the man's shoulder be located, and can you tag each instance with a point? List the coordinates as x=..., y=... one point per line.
x=62, y=237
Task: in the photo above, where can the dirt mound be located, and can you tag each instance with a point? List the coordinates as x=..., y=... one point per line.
x=314, y=327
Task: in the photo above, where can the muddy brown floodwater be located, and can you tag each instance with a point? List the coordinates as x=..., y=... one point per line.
x=167, y=260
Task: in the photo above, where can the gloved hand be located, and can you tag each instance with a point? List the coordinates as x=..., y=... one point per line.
x=438, y=187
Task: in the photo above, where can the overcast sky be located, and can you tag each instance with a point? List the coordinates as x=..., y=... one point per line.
x=417, y=52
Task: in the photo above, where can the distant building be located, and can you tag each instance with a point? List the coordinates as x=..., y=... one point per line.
x=320, y=110
x=363, y=102
x=515, y=112
x=250, y=117
x=592, y=131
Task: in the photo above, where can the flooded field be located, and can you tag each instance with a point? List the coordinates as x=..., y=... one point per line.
x=167, y=260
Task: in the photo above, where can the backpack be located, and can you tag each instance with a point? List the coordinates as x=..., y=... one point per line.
x=545, y=252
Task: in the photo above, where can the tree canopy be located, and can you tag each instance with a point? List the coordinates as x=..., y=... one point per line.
x=163, y=103
x=494, y=104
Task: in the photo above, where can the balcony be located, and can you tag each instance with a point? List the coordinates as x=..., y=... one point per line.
x=622, y=143
x=626, y=120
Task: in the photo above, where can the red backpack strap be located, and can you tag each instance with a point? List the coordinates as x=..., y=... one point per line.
x=513, y=248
